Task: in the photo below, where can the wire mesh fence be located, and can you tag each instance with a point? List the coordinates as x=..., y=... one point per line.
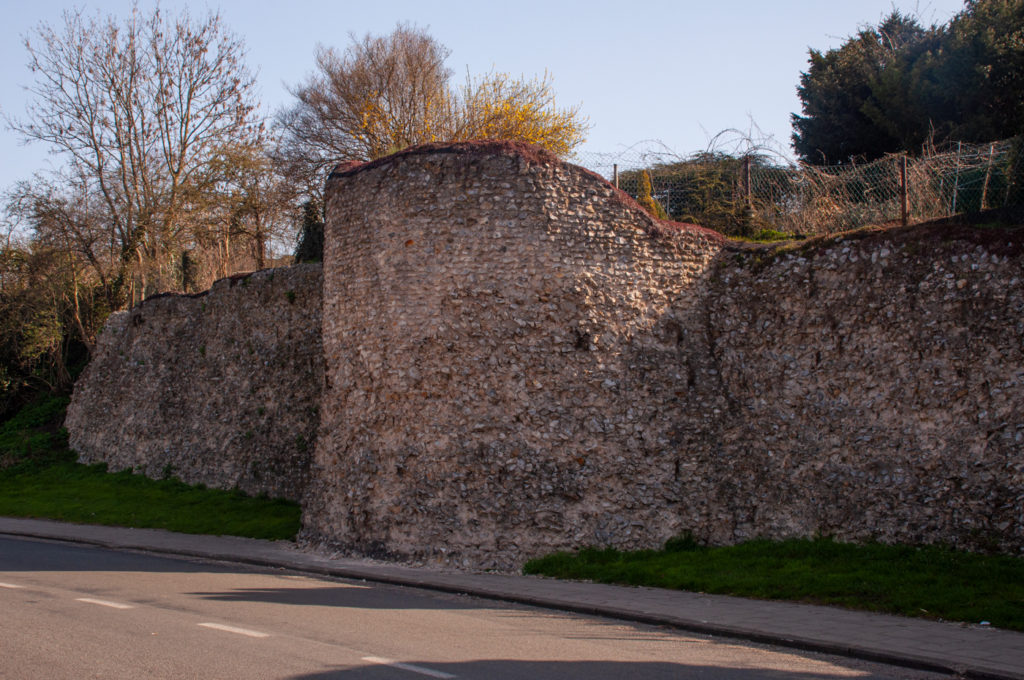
x=745, y=194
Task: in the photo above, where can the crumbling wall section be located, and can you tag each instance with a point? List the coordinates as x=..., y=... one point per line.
x=220, y=388
x=875, y=385
x=520, y=360
x=514, y=358
x=483, y=310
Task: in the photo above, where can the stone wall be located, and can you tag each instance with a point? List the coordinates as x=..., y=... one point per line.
x=518, y=360
x=220, y=388
x=874, y=388
x=480, y=311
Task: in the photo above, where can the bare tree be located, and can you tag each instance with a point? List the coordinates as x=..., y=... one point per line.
x=382, y=94
x=69, y=225
x=498, y=106
x=249, y=218
x=386, y=93
x=137, y=109
x=45, y=313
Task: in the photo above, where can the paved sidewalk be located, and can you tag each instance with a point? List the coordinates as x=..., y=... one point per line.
x=971, y=651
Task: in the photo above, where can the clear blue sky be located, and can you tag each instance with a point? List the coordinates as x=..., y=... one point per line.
x=675, y=71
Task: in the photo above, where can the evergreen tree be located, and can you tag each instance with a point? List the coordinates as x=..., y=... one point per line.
x=646, y=200
x=837, y=95
x=899, y=86
x=310, y=245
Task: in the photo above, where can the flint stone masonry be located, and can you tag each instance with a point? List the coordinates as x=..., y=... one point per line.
x=482, y=308
x=220, y=388
x=517, y=359
x=874, y=389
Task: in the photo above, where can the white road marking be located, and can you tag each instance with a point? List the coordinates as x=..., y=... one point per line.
x=10, y=585
x=105, y=603
x=233, y=629
x=409, y=667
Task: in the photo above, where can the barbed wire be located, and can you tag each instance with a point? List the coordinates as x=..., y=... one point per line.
x=758, y=188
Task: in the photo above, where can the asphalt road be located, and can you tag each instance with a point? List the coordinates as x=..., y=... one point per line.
x=69, y=611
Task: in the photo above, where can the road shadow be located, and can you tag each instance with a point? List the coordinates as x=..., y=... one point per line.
x=354, y=596
x=35, y=554
x=501, y=669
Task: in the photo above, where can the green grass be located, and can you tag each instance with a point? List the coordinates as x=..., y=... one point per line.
x=926, y=581
x=768, y=236
x=33, y=436
x=39, y=478
x=771, y=235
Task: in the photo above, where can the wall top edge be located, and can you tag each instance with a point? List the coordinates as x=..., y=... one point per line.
x=532, y=155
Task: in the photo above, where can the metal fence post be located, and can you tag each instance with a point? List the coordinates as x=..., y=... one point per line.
x=1011, y=170
x=956, y=180
x=746, y=180
x=988, y=173
x=904, y=191
x=615, y=175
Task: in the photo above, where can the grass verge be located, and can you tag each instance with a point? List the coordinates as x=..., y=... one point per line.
x=926, y=581
x=40, y=478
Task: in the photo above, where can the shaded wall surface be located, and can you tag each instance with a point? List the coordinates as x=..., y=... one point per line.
x=514, y=358
x=874, y=389
x=482, y=309
x=220, y=388
x=518, y=360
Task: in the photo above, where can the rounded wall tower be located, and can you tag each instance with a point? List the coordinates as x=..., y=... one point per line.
x=487, y=314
